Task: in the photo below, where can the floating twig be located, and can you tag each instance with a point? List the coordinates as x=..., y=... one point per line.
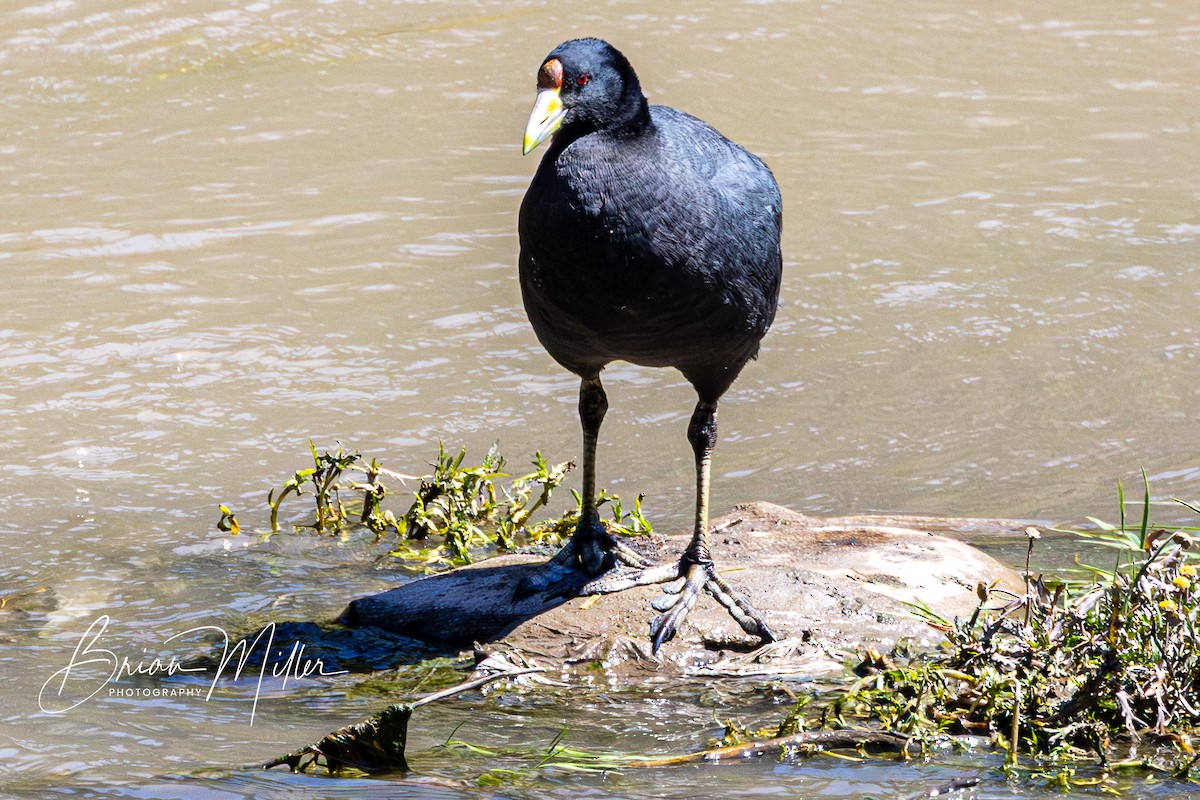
x=878, y=741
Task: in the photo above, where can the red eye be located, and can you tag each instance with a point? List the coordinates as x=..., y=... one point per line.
x=582, y=79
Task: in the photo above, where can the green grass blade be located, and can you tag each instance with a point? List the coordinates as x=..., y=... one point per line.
x=1145, y=512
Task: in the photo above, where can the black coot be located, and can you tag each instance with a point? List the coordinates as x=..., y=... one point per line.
x=646, y=236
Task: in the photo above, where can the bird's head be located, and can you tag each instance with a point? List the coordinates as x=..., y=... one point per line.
x=584, y=85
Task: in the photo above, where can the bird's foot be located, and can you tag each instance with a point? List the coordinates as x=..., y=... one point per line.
x=738, y=606
x=618, y=579
x=592, y=551
x=681, y=594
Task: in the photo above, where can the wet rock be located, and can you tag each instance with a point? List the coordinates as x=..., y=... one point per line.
x=826, y=586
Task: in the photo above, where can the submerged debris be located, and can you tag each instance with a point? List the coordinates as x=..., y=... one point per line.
x=375, y=745
x=378, y=744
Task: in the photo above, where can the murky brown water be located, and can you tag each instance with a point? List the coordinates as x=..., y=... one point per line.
x=230, y=228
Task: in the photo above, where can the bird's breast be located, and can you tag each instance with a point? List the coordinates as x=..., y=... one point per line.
x=624, y=254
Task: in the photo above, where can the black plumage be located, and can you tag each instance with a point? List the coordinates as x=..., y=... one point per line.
x=646, y=236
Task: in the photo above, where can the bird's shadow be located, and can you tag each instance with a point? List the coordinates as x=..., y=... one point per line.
x=435, y=616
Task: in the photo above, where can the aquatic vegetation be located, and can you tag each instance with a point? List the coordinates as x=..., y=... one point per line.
x=329, y=475
x=457, y=512
x=555, y=756
x=1104, y=672
x=228, y=522
x=1091, y=679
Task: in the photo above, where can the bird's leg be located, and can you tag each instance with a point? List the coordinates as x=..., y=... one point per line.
x=596, y=548
x=588, y=540
x=591, y=548
x=696, y=570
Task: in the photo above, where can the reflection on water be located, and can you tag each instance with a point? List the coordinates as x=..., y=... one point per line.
x=232, y=228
